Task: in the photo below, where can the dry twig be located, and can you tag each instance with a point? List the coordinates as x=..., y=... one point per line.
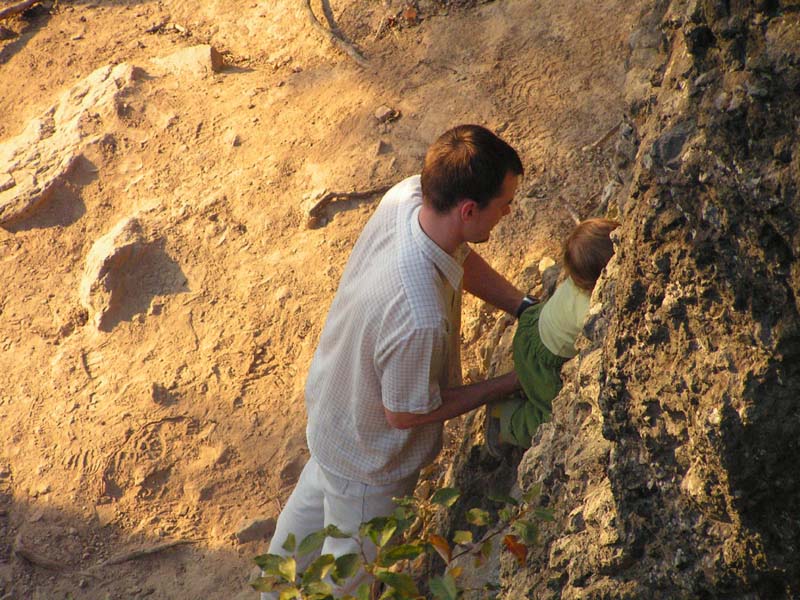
x=606, y=136
x=134, y=554
x=15, y=9
x=335, y=37
x=329, y=197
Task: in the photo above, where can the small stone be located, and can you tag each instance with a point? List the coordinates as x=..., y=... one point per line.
x=545, y=263
x=254, y=529
x=83, y=583
x=105, y=513
x=6, y=182
x=195, y=60
x=282, y=294
x=386, y=114
x=382, y=148
x=233, y=139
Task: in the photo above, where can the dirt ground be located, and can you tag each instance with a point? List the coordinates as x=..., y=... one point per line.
x=182, y=418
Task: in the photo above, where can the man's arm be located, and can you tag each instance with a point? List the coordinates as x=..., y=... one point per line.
x=487, y=284
x=457, y=401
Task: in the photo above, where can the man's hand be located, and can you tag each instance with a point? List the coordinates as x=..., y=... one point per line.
x=457, y=401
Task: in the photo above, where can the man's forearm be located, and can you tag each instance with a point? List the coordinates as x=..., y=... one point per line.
x=459, y=400
x=481, y=280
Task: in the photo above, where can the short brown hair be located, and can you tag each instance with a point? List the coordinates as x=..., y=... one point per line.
x=587, y=250
x=467, y=161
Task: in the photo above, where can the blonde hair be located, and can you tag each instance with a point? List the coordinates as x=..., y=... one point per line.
x=587, y=250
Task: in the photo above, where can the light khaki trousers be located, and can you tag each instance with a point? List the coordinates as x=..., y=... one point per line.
x=321, y=498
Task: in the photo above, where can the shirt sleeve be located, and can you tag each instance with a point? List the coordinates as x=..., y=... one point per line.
x=410, y=371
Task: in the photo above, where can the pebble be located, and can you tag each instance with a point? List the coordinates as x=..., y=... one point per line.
x=386, y=114
x=254, y=529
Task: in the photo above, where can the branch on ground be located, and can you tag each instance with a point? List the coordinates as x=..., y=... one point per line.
x=333, y=35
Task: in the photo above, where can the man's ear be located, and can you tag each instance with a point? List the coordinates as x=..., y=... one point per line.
x=467, y=209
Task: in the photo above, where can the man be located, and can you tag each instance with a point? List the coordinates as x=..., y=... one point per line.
x=386, y=373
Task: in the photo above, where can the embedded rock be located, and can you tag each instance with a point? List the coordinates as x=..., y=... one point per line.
x=33, y=163
x=105, y=264
x=198, y=61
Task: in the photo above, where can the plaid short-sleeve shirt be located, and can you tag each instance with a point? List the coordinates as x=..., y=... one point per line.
x=390, y=340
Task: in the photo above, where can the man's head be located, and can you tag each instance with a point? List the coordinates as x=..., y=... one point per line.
x=467, y=162
x=587, y=250
x=470, y=169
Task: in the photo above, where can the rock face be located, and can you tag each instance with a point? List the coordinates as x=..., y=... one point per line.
x=32, y=163
x=105, y=263
x=671, y=462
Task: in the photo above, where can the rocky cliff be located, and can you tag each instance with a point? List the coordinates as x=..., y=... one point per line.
x=671, y=461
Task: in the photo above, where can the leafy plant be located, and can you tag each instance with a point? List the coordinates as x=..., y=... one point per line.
x=401, y=548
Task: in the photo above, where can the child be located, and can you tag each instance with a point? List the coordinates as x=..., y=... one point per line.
x=545, y=337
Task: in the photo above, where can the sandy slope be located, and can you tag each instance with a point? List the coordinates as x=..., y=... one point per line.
x=185, y=417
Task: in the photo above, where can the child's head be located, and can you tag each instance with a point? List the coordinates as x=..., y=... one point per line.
x=587, y=250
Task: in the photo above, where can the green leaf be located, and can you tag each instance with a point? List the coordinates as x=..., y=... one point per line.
x=317, y=590
x=503, y=499
x=346, y=566
x=506, y=514
x=486, y=549
x=290, y=543
x=477, y=516
x=280, y=566
x=544, y=514
x=533, y=492
x=311, y=542
x=288, y=568
x=334, y=532
x=380, y=530
x=319, y=569
x=445, y=497
x=527, y=531
x=462, y=537
x=406, y=501
x=402, y=582
x=291, y=593
x=265, y=584
x=362, y=593
x=444, y=588
x=402, y=552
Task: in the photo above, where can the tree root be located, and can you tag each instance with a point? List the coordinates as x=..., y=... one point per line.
x=333, y=34
x=16, y=9
x=135, y=554
x=314, y=213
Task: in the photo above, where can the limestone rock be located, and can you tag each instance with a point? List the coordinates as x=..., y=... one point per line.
x=254, y=529
x=33, y=163
x=386, y=114
x=198, y=61
x=104, y=263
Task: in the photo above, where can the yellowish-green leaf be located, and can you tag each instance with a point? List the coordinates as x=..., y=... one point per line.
x=402, y=582
x=319, y=569
x=290, y=544
x=477, y=516
x=380, y=530
x=390, y=556
x=445, y=497
x=310, y=543
x=462, y=537
x=346, y=566
x=291, y=593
